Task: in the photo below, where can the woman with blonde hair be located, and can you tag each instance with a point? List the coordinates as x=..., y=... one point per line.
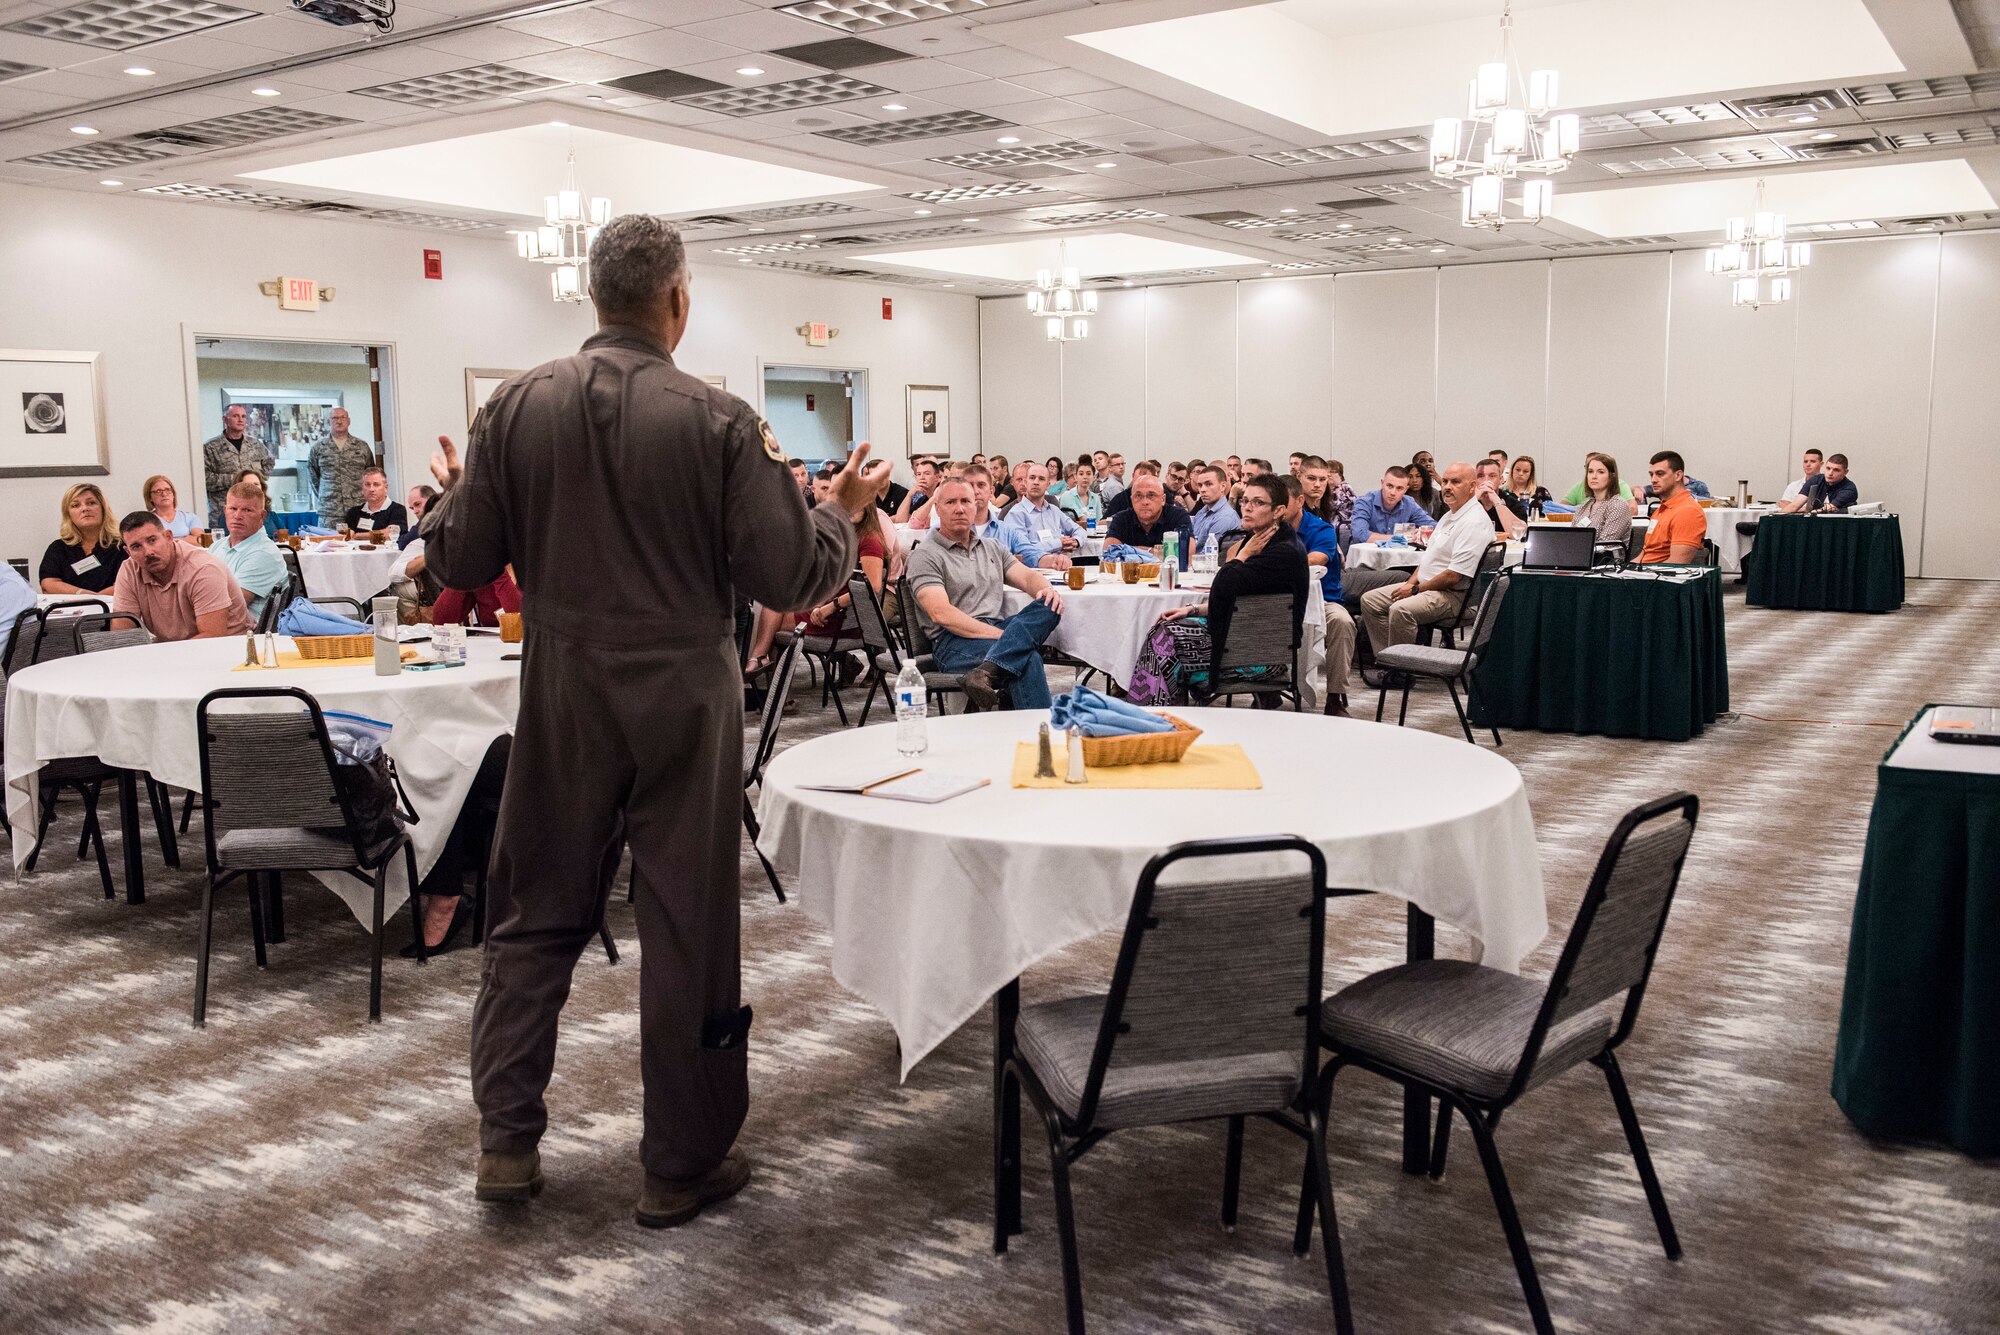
x=86, y=557
x=164, y=502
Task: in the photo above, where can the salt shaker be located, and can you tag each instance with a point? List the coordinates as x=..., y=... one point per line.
x=1075, y=774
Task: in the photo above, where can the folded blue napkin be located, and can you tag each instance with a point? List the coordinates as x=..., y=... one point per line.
x=1118, y=551
x=1101, y=716
x=316, y=531
x=304, y=618
x=1557, y=508
x=1398, y=541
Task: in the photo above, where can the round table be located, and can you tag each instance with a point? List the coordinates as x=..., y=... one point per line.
x=910, y=537
x=932, y=909
x=358, y=571
x=47, y=600
x=1731, y=545
x=1384, y=556
x=135, y=709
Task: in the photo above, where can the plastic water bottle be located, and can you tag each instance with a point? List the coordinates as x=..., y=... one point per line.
x=1170, y=550
x=388, y=651
x=1210, y=561
x=912, y=711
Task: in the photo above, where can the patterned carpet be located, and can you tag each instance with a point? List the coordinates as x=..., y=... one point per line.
x=292, y=1169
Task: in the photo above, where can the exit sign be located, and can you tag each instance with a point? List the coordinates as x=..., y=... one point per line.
x=434, y=264
x=888, y=308
x=298, y=294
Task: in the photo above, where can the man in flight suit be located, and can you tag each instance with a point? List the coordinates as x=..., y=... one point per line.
x=630, y=499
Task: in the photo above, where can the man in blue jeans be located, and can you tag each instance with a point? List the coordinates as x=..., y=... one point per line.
x=959, y=580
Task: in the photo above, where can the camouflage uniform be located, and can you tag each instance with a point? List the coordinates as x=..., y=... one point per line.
x=334, y=470
x=221, y=461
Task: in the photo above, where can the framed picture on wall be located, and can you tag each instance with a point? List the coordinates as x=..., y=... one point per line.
x=929, y=412
x=288, y=422
x=719, y=381
x=480, y=382
x=52, y=415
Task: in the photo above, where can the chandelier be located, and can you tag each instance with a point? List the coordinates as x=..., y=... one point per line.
x=1756, y=250
x=1497, y=141
x=565, y=235
x=1060, y=301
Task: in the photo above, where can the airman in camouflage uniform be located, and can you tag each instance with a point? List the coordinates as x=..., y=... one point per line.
x=334, y=469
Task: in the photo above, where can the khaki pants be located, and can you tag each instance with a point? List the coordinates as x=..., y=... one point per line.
x=1339, y=648
x=1390, y=620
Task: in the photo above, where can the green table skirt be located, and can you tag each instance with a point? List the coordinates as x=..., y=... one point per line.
x=1827, y=564
x=1594, y=654
x=1918, y=1055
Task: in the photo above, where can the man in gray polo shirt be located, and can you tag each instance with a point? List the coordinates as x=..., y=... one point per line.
x=959, y=581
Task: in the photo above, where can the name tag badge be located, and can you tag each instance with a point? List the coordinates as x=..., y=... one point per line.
x=366, y=523
x=85, y=566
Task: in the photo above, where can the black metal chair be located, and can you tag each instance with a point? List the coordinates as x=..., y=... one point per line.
x=878, y=641
x=1203, y=1021
x=1478, y=1039
x=1491, y=562
x=759, y=755
x=254, y=827
x=1261, y=656
x=1451, y=666
x=937, y=683
x=95, y=633
x=86, y=775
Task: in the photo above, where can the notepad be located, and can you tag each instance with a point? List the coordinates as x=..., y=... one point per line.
x=920, y=786
x=862, y=781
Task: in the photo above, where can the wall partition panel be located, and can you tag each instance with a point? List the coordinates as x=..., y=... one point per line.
x=1287, y=390
x=1191, y=371
x=1607, y=363
x=1862, y=383
x=1493, y=359
x=1729, y=383
x=1385, y=363
x=1961, y=532
x=1104, y=378
x=1020, y=384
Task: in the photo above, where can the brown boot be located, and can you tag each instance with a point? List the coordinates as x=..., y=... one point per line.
x=982, y=686
x=508, y=1177
x=666, y=1202
x=1336, y=706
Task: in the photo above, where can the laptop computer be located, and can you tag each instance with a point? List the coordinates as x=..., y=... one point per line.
x=1561, y=547
x=1979, y=727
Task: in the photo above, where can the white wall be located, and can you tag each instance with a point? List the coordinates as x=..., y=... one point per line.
x=812, y=434
x=1886, y=355
x=131, y=277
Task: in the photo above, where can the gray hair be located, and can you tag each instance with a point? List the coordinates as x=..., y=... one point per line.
x=636, y=259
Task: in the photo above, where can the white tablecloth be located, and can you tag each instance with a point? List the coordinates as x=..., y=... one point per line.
x=1381, y=556
x=1732, y=545
x=910, y=537
x=1105, y=623
x=48, y=600
x=359, y=572
x=932, y=909
x=135, y=708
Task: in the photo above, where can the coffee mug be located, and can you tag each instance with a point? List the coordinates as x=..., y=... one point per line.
x=1074, y=576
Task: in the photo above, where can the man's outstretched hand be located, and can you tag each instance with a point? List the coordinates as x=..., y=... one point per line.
x=445, y=466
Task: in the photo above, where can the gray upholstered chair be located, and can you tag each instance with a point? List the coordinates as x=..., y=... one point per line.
x=1491, y=562
x=254, y=827
x=1450, y=666
x=100, y=631
x=1202, y=1021
x=759, y=755
x=1261, y=655
x=1478, y=1039
x=937, y=684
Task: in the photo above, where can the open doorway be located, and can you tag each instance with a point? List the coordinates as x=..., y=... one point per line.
x=290, y=391
x=816, y=412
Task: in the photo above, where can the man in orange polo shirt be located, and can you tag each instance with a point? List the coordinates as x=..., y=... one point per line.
x=178, y=592
x=1679, y=525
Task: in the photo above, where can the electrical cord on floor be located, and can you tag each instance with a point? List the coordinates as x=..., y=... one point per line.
x=1830, y=722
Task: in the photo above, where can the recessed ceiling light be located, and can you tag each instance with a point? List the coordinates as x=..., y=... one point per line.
x=807, y=236
x=756, y=229
x=138, y=71
x=922, y=213
x=749, y=71
x=1288, y=210
x=263, y=92
x=110, y=182
x=1106, y=166
x=594, y=97
x=1344, y=226
x=951, y=284
x=1826, y=134
x=894, y=106
x=1807, y=119
x=82, y=129
x=1126, y=283
x=968, y=220
x=1437, y=250
x=1009, y=139
x=743, y=259
x=558, y=125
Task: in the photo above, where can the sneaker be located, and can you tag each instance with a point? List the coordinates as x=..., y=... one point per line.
x=508, y=1177
x=666, y=1202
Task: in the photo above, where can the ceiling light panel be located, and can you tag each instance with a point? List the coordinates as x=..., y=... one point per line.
x=1416, y=185
x=1923, y=90
x=767, y=248
x=14, y=69
x=1104, y=216
x=822, y=209
x=1862, y=225
x=874, y=15
x=960, y=193
x=917, y=127
x=927, y=233
x=1024, y=154
x=1970, y=134
x=1658, y=118
x=815, y=90
x=1711, y=159
x=1253, y=222
x=435, y=221
x=221, y=194
x=96, y=157
x=115, y=25
x=1783, y=106
x=1368, y=148
x=475, y=83
x=250, y=127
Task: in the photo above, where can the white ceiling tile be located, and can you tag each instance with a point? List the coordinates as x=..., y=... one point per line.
x=1174, y=117
x=1121, y=100
x=43, y=51
x=985, y=94
x=358, y=108
x=288, y=34
x=413, y=61
x=1095, y=128
x=584, y=27
x=1043, y=111
x=342, y=75
x=673, y=113
x=665, y=48
x=774, y=70
x=910, y=76
x=491, y=44
x=1063, y=82
x=683, y=11
x=761, y=31
x=579, y=65
x=208, y=53
x=998, y=61
x=76, y=87
x=16, y=98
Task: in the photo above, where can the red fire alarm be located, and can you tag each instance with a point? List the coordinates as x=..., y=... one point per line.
x=888, y=308
x=809, y=403
x=434, y=264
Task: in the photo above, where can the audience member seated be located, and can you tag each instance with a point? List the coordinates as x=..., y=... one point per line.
x=249, y=553
x=178, y=592
x=1605, y=506
x=926, y=470
x=1002, y=476
x=959, y=580
x=1812, y=461
x=484, y=604
x=418, y=504
x=1508, y=513
x=1175, y=665
x=86, y=557
x=892, y=498
x=802, y=476
x=16, y=597
x=1322, y=543
x=1522, y=485
x=1327, y=492
x=1423, y=486
x=830, y=617
x=164, y=501
x=1146, y=522
x=1694, y=486
x=1377, y=513
x=1435, y=591
x=1679, y=525
x=376, y=510
x=1038, y=531
x=1111, y=478
x=1831, y=491
x=1213, y=516
x=1180, y=487
x=1580, y=493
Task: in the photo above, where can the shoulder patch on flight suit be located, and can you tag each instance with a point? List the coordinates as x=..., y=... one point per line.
x=770, y=441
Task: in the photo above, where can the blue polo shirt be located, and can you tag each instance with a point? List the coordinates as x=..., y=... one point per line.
x=1841, y=495
x=1320, y=536
x=1371, y=516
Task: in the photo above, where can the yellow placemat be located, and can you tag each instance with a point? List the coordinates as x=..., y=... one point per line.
x=1202, y=767
x=291, y=658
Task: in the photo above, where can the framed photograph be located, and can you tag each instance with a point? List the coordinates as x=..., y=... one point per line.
x=480, y=382
x=52, y=415
x=929, y=412
x=288, y=422
x=719, y=381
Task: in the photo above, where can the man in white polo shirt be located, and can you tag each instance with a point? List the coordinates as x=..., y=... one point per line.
x=1437, y=587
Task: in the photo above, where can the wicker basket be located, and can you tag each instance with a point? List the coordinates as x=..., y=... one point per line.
x=1143, y=748
x=334, y=646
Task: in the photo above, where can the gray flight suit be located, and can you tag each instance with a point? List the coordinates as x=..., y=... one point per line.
x=632, y=500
